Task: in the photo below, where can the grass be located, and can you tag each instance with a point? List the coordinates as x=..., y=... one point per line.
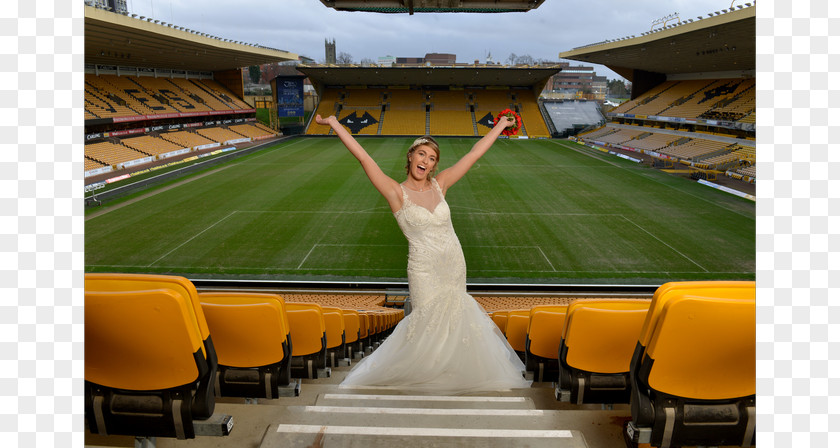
x=540, y=211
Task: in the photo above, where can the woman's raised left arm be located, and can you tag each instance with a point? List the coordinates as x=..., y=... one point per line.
x=454, y=173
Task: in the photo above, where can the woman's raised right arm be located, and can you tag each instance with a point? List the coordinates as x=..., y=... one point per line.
x=387, y=187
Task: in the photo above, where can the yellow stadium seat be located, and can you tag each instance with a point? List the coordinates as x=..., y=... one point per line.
x=352, y=331
x=542, y=343
x=309, y=340
x=336, y=339
x=203, y=404
x=144, y=364
x=500, y=319
x=694, y=381
x=598, y=341
x=517, y=331
x=252, y=342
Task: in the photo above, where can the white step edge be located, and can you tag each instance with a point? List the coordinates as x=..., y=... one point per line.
x=424, y=398
x=423, y=411
x=424, y=432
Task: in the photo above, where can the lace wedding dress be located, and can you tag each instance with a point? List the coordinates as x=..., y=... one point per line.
x=447, y=344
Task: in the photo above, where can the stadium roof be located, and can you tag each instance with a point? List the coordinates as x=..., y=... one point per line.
x=429, y=76
x=723, y=41
x=412, y=6
x=116, y=39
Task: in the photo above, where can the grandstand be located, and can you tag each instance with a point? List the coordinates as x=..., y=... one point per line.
x=595, y=352
x=698, y=112
x=138, y=116
x=445, y=101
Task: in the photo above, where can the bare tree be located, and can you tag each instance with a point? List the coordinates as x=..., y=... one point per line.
x=525, y=59
x=367, y=61
x=344, y=58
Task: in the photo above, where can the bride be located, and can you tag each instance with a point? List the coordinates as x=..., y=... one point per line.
x=447, y=344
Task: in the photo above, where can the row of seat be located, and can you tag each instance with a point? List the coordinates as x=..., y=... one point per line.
x=684, y=360
x=158, y=353
x=405, y=111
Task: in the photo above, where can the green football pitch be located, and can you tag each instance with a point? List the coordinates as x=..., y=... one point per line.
x=535, y=211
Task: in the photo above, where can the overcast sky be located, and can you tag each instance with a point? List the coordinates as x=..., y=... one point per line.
x=301, y=26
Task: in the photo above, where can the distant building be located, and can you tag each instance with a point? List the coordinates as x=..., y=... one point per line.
x=386, y=61
x=117, y=6
x=576, y=82
x=429, y=59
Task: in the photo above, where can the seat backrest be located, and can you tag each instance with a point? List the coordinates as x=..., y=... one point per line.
x=141, y=340
x=517, y=328
x=247, y=297
x=364, y=324
x=703, y=348
x=351, y=325
x=306, y=329
x=544, y=332
x=600, y=335
x=500, y=319
x=297, y=306
x=248, y=330
x=551, y=308
x=141, y=282
x=334, y=325
x=719, y=289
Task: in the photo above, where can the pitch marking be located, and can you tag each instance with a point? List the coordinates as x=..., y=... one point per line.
x=192, y=238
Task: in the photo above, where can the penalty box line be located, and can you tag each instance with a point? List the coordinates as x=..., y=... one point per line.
x=314, y=246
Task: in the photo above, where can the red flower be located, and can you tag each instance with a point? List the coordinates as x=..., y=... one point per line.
x=513, y=130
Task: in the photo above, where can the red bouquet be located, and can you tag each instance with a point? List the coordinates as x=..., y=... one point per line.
x=513, y=130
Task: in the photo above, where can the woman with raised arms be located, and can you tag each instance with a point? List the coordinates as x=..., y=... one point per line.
x=447, y=344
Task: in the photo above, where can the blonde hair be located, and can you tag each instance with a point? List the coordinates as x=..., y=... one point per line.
x=425, y=140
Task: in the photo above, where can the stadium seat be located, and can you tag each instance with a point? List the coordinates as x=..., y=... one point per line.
x=500, y=319
x=517, y=331
x=542, y=343
x=335, y=328
x=352, y=331
x=253, y=344
x=203, y=403
x=598, y=340
x=309, y=339
x=364, y=332
x=145, y=366
x=693, y=371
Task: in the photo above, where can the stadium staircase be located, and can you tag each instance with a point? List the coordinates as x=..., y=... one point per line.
x=384, y=418
x=474, y=124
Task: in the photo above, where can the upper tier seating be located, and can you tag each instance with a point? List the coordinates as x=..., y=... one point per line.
x=109, y=96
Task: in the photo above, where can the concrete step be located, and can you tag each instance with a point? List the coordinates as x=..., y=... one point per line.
x=526, y=419
x=424, y=401
x=329, y=436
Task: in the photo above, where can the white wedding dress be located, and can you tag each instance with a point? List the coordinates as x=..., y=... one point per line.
x=447, y=344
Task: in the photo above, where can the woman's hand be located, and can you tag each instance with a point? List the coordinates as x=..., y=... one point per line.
x=324, y=121
x=506, y=121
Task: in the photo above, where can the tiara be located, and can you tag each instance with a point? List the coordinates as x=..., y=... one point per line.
x=421, y=141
